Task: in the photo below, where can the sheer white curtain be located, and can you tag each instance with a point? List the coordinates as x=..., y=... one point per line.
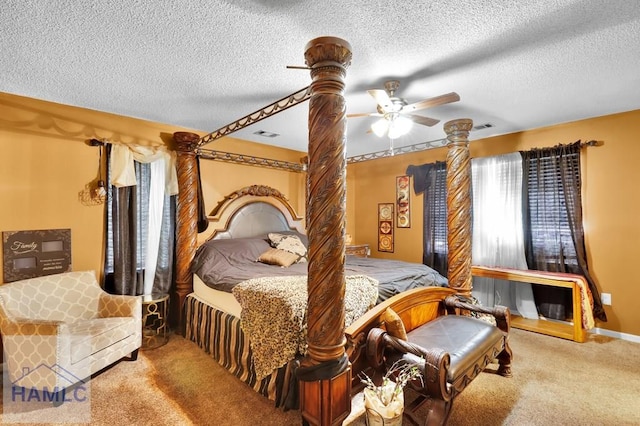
x=497, y=236
x=156, y=207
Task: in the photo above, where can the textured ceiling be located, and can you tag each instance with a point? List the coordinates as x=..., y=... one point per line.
x=202, y=64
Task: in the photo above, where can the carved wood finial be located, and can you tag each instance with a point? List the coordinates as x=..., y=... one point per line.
x=459, y=204
x=458, y=130
x=333, y=52
x=186, y=142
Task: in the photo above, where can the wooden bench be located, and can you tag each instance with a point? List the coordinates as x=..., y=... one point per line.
x=450, y=346
x=576, y=331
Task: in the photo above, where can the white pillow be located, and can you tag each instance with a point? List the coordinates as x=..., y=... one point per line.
x=290, y=243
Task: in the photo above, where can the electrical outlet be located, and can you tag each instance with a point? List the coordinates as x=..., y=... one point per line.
x=606, y=298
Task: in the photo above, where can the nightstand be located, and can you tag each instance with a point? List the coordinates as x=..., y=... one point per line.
x=155, y=309
x=361, y=250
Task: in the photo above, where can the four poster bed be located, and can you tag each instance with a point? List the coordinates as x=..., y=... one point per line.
x=326, y=375
x=248, y=313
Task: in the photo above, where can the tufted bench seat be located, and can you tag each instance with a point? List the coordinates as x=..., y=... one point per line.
x=470, y=343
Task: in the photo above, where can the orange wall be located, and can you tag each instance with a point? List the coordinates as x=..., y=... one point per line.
x=611, y=202
x=45, y=163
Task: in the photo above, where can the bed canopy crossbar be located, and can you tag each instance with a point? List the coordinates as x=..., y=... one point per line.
x=280, y=105
x=209, y=154
x=422, y=146
x=251, y=160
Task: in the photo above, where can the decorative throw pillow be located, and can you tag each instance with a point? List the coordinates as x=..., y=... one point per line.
x=394, y=324
x=275, y=256
x=290, y=243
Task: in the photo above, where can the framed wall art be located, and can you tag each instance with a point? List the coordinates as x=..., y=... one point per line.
x=403, y=202
x=385, y=227
x=29, y=254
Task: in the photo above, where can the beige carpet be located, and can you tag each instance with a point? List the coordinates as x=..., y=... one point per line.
x=555, y=382
x=125, y=394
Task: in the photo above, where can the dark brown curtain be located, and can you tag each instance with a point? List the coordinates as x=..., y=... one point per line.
x=553, y=231
x=431, y=179
x=165, y=266
x=126, y=234
x=203, y=222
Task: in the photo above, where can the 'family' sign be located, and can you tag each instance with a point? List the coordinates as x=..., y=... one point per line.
x=29, y=254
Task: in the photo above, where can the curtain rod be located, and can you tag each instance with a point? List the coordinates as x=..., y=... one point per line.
x=592, y=142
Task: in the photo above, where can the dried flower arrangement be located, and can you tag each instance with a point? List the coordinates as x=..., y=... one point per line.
x=387, y=399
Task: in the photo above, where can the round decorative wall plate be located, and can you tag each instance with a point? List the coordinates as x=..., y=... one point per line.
x=385, y=242
x=386, y=212
x=385, y=227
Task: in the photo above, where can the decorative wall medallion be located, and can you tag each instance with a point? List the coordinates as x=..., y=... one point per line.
x=385, y=227
x=403, y=201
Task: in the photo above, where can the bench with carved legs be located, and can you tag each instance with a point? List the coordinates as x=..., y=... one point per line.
x=450, y=345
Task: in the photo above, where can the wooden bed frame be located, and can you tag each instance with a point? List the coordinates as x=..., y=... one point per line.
x=326, y=377
x=325, y=374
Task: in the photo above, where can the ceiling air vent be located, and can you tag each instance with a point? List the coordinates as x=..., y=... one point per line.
x=482, y=126
x=266, y=134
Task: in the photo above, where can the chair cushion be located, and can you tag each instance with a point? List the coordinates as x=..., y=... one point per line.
x=466, y=339
x=89, y=337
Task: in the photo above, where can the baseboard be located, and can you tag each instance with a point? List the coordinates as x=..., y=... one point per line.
x=616, y=334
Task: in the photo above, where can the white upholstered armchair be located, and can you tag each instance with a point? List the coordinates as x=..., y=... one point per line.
x=58, y=330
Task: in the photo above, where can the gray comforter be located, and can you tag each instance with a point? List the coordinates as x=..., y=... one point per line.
x=221, y=264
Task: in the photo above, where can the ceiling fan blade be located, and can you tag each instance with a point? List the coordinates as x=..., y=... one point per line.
x=382, y=98
x=432, y=102
x=425, y=121
x=364, y=114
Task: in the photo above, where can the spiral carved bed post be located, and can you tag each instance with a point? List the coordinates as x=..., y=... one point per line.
x=186, y=221
x=325, y=374
x=459, y=204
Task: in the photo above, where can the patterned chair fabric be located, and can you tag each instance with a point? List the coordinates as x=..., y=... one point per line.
x=58, y=330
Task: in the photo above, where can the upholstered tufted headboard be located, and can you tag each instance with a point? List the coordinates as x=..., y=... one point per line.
x=251, y=211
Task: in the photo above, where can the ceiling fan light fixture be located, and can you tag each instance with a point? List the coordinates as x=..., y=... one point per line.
x=399, y=126
x=394, y=123
x=380, y=127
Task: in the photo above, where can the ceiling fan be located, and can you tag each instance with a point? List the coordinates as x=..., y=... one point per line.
x=396, y=118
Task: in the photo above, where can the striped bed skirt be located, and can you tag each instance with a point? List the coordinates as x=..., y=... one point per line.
x=220, y=335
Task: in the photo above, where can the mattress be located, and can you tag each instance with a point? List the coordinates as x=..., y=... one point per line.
x=221, y=300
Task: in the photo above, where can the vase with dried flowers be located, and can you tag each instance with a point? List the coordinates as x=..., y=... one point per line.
x=384, y=403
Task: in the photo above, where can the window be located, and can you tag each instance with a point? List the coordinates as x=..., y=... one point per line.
x=548, y=219
x=438, y=211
